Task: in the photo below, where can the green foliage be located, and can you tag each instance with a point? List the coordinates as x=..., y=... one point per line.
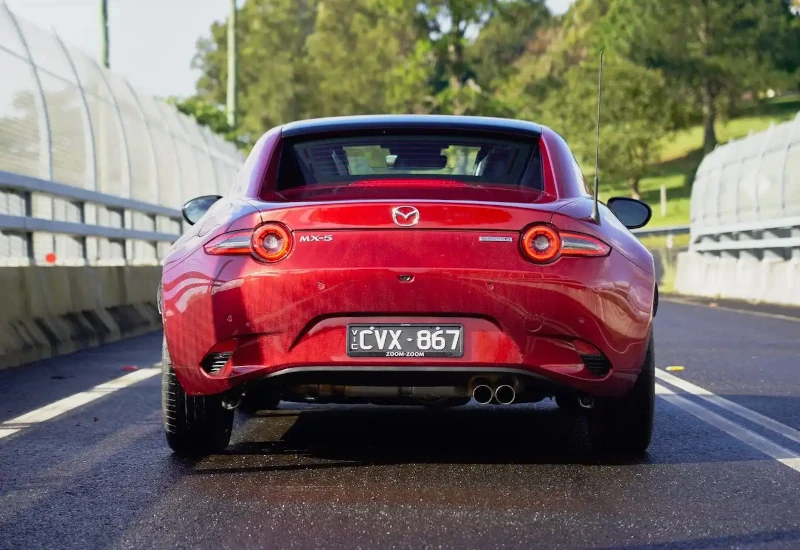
x=637, y=111
x=357, y=52
x=668, y=65
x=504, y=38
x=711, y=51
x=274, y=83
x=211, y=115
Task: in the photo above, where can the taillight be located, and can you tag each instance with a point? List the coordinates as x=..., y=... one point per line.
x=541, y=243
x=544, y=244
x=237, y=242
x=270, y=242
x=578, y=244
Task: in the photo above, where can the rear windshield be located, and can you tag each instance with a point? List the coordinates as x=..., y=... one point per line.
x=409, y=161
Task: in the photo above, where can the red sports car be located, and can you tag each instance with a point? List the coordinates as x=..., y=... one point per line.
x=421, y=260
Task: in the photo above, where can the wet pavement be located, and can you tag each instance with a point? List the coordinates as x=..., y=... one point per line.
x=523, y=476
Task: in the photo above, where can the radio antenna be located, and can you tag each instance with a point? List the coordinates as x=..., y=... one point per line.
x=595, y=208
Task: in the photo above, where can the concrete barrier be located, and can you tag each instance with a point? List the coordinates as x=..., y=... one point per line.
x=770, y=280
x=49, y=311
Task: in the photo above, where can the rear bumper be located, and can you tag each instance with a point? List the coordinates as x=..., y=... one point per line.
x=518, y=316
x=616, y=383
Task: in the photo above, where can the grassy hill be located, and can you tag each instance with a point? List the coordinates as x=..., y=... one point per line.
x=682, y=154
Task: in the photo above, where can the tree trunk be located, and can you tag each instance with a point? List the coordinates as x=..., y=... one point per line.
x=709, y=118
x=733, y=104
x=635, y=188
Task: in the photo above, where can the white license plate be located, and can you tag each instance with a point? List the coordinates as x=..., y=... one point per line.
x=405, y=340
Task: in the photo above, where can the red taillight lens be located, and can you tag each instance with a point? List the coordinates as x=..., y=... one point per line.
x=544, y=244
x=237, y=242
x=271, y=242
x=577, y=244
x=541, y=243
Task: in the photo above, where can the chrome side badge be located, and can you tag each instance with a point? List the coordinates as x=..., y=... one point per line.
x=491, y=239
x=316, y=238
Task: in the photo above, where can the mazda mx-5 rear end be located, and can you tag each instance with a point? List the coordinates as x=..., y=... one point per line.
x=428, y=261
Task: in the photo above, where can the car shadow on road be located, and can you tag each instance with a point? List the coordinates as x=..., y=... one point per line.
x=359, y=436
x=472, y=435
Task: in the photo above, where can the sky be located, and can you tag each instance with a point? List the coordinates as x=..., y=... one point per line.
x=152, y=42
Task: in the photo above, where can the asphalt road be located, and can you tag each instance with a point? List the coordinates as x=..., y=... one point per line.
x=84, y=464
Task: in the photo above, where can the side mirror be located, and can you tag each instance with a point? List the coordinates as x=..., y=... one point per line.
x=631, y=212
x=197, y=207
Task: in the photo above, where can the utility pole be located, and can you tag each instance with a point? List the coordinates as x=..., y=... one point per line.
x=232, y=66
x=104, y=33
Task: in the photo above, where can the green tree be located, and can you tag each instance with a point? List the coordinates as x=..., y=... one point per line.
x=447, y=23
x=708, y=50
x=552, y=50
x=274, y=84
x=503, y=39
x=637, y=112
x=358, y=52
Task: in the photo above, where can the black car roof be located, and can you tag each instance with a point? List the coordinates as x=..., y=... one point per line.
x=410, y=122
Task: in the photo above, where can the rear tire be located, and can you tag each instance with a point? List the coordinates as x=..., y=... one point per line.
x=626, y=424
x=194, y=425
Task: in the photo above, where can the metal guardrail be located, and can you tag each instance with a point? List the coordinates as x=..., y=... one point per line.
x=779, y=237
x=760, y=235
x=9, y=180
x=135, y=232
x=659, y=231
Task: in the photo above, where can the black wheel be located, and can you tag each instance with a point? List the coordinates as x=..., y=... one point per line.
x=194, y=425
x=626, y=424
x=259, y=400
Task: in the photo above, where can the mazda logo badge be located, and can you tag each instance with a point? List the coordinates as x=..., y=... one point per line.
x=405, y=216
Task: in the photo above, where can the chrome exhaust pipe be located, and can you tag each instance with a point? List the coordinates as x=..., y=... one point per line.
x=586, y=402
x=482, y=394
x=505, y=394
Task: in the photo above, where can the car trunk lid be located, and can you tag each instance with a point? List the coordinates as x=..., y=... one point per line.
x=407, y=215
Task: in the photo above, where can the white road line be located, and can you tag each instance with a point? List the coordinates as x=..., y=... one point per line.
x=57, y=408
x=733, y=309
x=763, y=421
x=762, y=444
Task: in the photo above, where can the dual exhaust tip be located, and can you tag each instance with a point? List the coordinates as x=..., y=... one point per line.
x=502, y=394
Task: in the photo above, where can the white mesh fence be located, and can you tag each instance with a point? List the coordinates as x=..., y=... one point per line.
x=65, y=119
x=749, y=181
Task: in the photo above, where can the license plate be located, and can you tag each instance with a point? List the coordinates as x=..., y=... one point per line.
x=405, y=340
